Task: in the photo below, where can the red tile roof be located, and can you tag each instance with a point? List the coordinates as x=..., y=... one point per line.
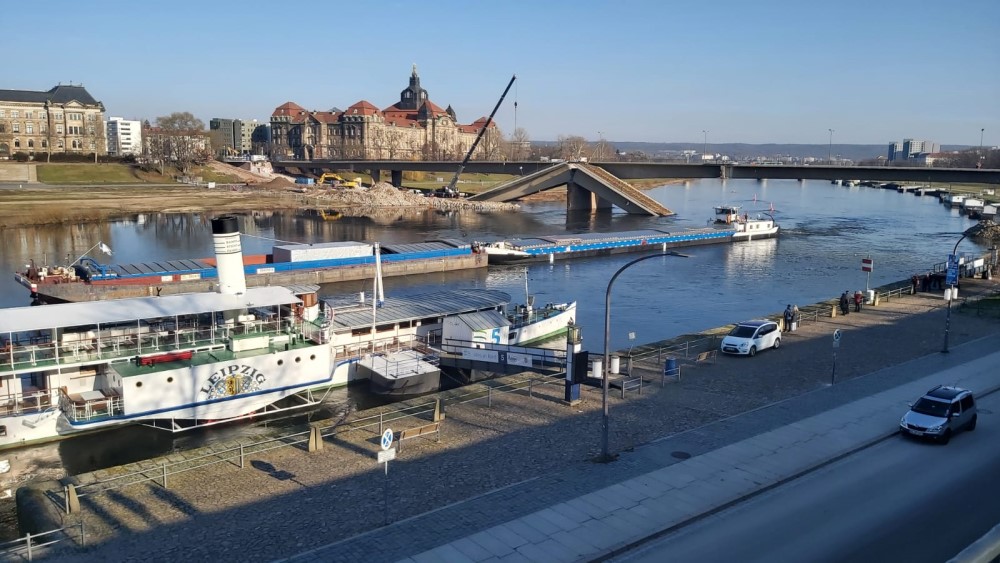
x=289, y=109
x=363, y=107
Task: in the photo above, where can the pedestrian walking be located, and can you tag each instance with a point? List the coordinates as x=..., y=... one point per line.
x=859, y=298
x=914, y=281
x=788, y=319
x=845, y=306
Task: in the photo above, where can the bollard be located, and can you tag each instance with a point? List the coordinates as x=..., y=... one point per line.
x=241, y=455
x=315, y=439
x=27, y=541
x=833, y=312
x=164, y=475
x=380, y=429
x=437, y=410
x=489, y=397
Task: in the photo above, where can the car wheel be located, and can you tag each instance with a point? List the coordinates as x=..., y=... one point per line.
x=946, y=437
x=752, y=352
x=972, y=423
x=777, y=342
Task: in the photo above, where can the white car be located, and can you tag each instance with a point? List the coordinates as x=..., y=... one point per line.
x=749, y=337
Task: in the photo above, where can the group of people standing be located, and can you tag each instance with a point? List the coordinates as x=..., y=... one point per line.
x=791, y=317
x=845, y=301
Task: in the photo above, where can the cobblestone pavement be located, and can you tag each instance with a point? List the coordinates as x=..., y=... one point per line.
x=525, y=453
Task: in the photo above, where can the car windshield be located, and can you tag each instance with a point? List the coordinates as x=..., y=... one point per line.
x=931, y=407
x=742, y=331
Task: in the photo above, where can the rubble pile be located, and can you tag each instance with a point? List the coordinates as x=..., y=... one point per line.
x=986, y=231
x=384, y=195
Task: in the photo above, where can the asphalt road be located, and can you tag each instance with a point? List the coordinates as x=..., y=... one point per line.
x=901, y=500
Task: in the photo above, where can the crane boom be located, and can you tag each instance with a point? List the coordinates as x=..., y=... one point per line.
x=468, y=155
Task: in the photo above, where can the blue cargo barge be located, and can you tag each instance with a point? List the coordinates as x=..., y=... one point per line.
x=559, y=247
x=89, y=280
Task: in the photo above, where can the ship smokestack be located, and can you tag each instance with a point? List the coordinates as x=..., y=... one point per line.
x=228, y=255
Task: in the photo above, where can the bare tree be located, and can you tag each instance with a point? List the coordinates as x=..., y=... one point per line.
x=492, y=144
x=572, y=146
x=6, y=139
x=183, y=139
x=520, y=144
x=94, y=133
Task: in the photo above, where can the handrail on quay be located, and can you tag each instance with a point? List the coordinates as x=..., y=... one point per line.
x=26, y=546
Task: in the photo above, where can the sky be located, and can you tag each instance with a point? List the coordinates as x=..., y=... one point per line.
x=722, y=71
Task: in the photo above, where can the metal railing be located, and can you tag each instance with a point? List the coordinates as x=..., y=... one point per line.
x=26, y=547
x=236, y=455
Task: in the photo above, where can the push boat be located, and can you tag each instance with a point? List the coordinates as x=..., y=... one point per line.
x=183, y=361
x=89, y=280
x=729, y=226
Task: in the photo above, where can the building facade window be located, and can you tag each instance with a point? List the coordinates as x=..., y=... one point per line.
x=59, y=129
x=15, y=127
x=31, y=143
x=45, y=144
x=15, y=113
x=17, y=143
x=29, y=128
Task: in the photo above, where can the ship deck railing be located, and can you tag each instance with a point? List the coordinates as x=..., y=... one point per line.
x=111, y=345
x=89, y=406
x=29, y=402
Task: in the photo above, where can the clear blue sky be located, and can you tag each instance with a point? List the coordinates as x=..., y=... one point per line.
x=747, y=71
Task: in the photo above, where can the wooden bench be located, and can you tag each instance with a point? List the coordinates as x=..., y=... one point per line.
x=418, y=431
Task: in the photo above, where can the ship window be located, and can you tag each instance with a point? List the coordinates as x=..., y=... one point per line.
x=312, y=357
x=138, y=384
x=297, y=359
x=3, y=430
x=170, y=380
x=281, y=362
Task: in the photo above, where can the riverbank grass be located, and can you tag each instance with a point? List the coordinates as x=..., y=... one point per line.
x=96, y=174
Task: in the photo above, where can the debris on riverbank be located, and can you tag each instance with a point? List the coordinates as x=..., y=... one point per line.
x=986, y=231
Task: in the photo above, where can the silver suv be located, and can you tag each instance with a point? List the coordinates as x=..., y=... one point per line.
x=940, y=413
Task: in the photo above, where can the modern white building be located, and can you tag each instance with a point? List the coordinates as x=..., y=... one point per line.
x=124, y=136
x=910, y=149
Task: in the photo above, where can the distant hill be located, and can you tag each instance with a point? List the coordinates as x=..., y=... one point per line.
x=744, y=150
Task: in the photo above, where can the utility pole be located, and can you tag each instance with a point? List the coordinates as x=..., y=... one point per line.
x=829, y=153
x=704, y=149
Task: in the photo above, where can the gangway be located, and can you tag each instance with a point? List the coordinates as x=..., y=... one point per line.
x=501, y=358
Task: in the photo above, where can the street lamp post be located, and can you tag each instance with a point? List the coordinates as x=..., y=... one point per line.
x=951, y=291
x=704, y=148
x=605, y=422
x=829, y=152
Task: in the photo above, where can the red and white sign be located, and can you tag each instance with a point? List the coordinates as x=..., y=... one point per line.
x=867, y=265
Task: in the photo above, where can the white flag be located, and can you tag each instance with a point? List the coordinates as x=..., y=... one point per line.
x=105, y=248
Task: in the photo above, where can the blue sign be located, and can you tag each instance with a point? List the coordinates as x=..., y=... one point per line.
x=387, y=439
x=952, y=275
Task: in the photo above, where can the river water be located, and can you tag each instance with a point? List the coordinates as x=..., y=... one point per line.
x=826, y=231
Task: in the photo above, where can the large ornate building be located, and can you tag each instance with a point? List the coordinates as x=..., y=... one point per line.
x=65, y=119
x=414, y=128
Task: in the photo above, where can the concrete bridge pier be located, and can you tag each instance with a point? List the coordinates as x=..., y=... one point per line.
x=397, y=178
x=579, y=198
x=377, y=176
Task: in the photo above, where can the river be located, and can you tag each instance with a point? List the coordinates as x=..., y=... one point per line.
x=826, y=231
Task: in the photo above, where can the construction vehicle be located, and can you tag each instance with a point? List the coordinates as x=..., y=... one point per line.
x=329, y=178
x=355, y=183
x=450, y=188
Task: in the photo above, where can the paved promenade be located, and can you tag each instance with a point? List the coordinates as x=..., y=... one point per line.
x=515, y=481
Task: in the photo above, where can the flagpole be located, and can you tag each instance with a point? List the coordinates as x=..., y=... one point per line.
x=85, y=253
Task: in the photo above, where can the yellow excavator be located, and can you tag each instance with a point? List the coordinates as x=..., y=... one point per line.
x=336, y=179
x=329, y=178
